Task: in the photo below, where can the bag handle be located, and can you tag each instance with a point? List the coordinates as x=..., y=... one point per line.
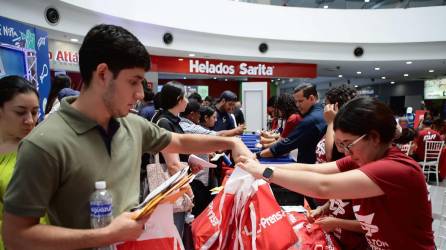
x=157, y=155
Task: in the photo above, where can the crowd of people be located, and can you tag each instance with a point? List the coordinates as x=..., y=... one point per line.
x=360, y=185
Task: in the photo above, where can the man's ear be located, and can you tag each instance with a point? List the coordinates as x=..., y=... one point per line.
x=103, y=73
x=312, y=98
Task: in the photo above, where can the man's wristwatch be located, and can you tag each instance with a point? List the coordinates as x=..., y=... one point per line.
x=258, y=155
x=268, y=174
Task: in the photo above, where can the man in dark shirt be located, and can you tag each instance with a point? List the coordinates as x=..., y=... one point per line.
x=224, y=107
x=310, y=130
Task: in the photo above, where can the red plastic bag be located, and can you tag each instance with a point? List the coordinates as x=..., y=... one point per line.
x=263, y=224
x=310, y=236
x=157, y=235
x=212, y=225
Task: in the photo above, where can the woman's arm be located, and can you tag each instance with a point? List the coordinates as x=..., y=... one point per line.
x=328, y=224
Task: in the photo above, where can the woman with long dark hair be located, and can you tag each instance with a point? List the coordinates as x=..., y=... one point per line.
x=387, y=188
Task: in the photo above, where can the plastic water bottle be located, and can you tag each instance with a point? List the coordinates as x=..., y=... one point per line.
x=101, y=208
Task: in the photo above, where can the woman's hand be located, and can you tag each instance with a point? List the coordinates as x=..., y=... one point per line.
x=328, y=224
x=251, y=166
x=330, y=111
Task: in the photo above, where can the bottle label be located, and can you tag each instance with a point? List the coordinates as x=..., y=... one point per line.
x=100, y=210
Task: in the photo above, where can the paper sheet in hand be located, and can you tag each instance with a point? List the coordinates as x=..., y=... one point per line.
x=197, y=161
x=164, y=186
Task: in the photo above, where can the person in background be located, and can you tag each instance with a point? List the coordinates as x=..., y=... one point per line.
x=337, y=215
x=288, y=112
x=335, y=98
x=238, y=114
x=224, y=107
x=208, y=118
x=147, y=109
x=196, y=97
x=425, y=134
x=208, y=101
x=19, y=109
x=403, y=122
x=272, y=121
x=59, y=82
x=387, y=188
x=92, y=137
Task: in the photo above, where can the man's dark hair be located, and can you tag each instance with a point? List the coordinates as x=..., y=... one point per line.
x=195, y=96
x=340, y=94
x=308, y=89
x=171, y=93
x=228, y=96
x=363, y=114
x=58, y=83
x=113, y=45
x=192, y=106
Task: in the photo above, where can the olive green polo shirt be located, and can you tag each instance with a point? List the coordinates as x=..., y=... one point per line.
x=61, y=159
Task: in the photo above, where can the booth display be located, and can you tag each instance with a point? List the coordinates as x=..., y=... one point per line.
x=24, y=52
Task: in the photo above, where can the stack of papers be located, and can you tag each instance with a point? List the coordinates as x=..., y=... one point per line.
x=164, y=193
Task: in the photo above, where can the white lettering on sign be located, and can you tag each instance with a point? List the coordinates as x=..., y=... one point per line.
x=224, y=69
x=8, y=31
x=212, y=217
x=65, y=56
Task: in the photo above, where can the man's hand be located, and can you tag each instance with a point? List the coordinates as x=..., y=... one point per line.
x=239, y=129
x=239, y=149
x=124, y=228
x=328, y=224
x=315, y=214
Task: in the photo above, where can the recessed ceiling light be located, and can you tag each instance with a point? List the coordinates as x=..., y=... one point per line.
x=377, y=68
x=383, y=77
x=215, y=78
x=74, y=40
x=392, y=82
x=184, y=77
x=325, y=6
x=339, y=76
x=278, y=79
x=180, y=59
x=406, y=74
x=290, y=80
x=366, y=1
x=431, y=71
x=359, y=72
x=356, y=86
x=226, y=79
x=409, y=62
x=191, y=55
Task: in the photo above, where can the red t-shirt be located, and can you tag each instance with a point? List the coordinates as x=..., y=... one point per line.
x=402, y=217
x=424, y=136
x=348, y=240
x=291, y=122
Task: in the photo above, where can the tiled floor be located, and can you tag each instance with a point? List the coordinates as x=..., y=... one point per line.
x=438, y=198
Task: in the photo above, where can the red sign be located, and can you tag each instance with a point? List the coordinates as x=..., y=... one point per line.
x=232, y=68
x=65, y=56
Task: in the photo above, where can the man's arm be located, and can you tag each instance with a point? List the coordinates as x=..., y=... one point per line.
x=25, y=233
x=198, y=144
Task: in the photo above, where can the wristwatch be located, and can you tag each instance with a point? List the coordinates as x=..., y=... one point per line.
x=268, y=174
x=258, y=155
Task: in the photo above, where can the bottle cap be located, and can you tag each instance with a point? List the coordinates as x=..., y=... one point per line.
x=100, y=185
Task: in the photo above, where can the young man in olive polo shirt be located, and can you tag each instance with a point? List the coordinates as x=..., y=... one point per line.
x=93, y=137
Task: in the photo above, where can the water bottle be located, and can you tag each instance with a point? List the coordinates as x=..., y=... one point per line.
x=101, y=208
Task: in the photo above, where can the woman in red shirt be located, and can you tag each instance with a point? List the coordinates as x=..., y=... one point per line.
x=289, y=113
x=387, y=188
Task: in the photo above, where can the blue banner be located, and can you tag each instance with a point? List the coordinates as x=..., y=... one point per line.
x=34, y=45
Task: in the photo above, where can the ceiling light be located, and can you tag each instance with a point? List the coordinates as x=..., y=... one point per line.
x=325, y=6
x=383, y=77
x=409, y=62
x=356, y=86
x=359, y=72
x=366, y=1
x=377, y=68
x=184, y=78
x=215, y=78
x=392, y=82
x=74, y=40
x=431, y=71
x=180, y=59
x=191, y=55
x=339, y=76
x=290, y=80
x=278, y=79
x=226, y=79
x=406, y=74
